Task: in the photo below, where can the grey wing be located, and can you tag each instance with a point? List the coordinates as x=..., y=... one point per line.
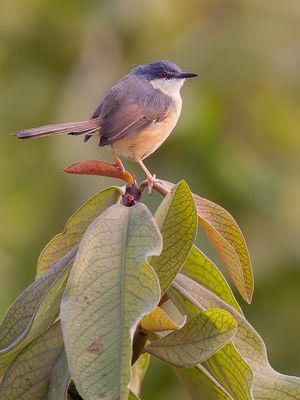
x=129, y=110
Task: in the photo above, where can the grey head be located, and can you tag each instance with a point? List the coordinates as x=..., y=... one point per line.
x=162, y=69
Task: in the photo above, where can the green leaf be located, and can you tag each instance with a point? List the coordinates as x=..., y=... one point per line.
x=59, y=380
x=75, y=228
x=138, y=371
x=268, y=383
x=227, y=365
x=201, y=337
x=177, y=219
x=228, y=240
x=110, y=289
x=200, y=384
x=33, y=311
x=232, y=372
x=28, y=376
x=202, y=270
x=133, y=396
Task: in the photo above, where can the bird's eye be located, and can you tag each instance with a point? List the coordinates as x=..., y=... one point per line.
x=163, y=74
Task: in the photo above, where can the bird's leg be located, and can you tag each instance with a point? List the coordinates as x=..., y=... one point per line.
x=151, y=178
x=117, y=161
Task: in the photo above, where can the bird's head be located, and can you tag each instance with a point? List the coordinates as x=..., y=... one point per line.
x=163, y=75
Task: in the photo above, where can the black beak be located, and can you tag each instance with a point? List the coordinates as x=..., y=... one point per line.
x=184, y=75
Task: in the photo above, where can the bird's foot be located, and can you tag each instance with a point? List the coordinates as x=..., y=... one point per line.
x=119, y=164
x=151, y=179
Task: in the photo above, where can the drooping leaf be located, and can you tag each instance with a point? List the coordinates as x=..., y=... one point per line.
x=200, y=384
x=200, y=337
x=33, y=311
x=202, y=270
x=109, y=290
x=59, y=380
x=177, y=219
x=75, y=228
x=227, y=239
x=100, y=168
x=28, y=376
x=138, y=371
x=158, y=320
x=267, y=383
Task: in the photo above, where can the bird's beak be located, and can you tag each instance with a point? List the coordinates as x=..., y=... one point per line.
x=184, y=75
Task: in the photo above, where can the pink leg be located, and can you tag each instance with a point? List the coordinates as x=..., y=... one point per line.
x=117, y=161
x=151, y=178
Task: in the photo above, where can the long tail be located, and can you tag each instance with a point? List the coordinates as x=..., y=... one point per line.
x=89, y=128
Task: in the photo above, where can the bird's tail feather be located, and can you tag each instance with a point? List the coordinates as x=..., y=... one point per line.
x=89, y=127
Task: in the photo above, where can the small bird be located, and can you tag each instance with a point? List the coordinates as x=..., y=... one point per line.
x=136, y=115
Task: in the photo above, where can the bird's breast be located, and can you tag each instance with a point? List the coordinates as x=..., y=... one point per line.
x=146, y=142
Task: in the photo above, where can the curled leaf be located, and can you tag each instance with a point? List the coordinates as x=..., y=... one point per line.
x=101, y=168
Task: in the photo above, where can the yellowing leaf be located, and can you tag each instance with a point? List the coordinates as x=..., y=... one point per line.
x=157, y=320
x=28, y=376
x=177, y=219
x=199, y=268
x=201, y=385
x=138, y=371
x=201, y=337
x=109, y=290
x=227, y=239
x=75, y=228
x=267, y=383
x=33, y=311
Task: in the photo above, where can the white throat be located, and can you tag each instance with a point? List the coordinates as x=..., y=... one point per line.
x=170, y=87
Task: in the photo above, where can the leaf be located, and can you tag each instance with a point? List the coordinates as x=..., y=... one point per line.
x=232, y=372
x=177, y=220
x=202, y=270
x=201, y=337
x=133, y=396
x=138, y=371
x=101, y=168
x=28, y=376
x=33, y=311
x=201, y=385
x=227, y=239
x=59, y=380
x=157, y=320
x=75, y=228
x=268, y=383
x=227, y=365
x=110, y=289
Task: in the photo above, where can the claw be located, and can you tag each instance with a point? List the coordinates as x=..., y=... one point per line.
x=151, y=180
x=119, y=164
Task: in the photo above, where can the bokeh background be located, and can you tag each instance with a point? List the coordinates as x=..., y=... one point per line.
x=237, y=142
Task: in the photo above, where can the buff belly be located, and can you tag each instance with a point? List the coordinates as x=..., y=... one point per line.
x=146, y=142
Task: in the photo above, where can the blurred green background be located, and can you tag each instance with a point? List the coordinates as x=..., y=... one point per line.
x=237, y=142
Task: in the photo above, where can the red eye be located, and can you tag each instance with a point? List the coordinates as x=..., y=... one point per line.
x=163, y=74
